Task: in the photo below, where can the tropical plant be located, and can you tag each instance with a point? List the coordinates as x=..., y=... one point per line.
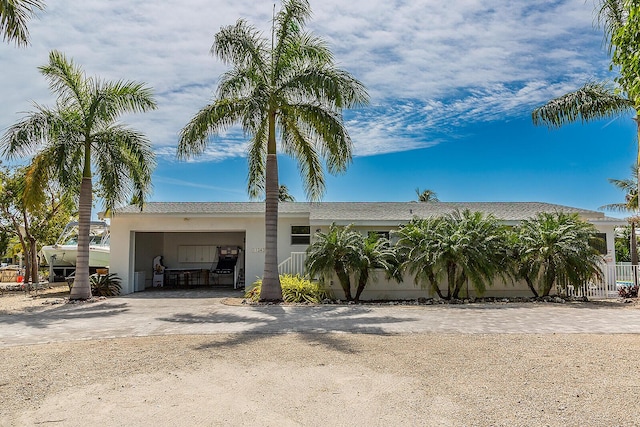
x=14, y=15
x=82, y=133
x=335, y=252
x=461, y=246
x=284, y=195
x=295, y=289
x=289, y=87
x=555, y=247
x=418, y=243
x=427, y=196
x=376, y=253
x=472, y=248
x=105, y=285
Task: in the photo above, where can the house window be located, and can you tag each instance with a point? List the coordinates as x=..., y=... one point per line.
x=599, y=242
x=300, y=234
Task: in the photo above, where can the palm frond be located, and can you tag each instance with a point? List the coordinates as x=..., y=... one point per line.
x=595, y=100
x=210, y=120
x=611, y=15
x=242, y=45
x=296, y=143
x=124, y=163
x=67, y=80
x=257, y=158
x=14, y=15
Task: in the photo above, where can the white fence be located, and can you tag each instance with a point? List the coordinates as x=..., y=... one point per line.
x=294, y=264
x=613, y=278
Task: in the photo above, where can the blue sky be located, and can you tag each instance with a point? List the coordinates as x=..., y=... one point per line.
x=452, y=86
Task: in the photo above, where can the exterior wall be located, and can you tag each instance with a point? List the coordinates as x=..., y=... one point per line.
x=124, y=250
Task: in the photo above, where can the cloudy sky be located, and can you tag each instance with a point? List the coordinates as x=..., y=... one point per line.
x=452, y=86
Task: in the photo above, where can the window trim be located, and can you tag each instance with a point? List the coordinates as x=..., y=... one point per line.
x=305, y=236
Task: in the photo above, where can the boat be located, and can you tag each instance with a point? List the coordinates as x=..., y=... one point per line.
x=64, y=252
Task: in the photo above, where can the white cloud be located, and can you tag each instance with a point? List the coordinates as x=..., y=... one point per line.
x=430, y=65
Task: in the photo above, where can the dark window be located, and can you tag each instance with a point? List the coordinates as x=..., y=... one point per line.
x=300, y=234
x=599, y=242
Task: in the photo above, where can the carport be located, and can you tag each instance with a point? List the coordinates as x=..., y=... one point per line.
x=189, y=259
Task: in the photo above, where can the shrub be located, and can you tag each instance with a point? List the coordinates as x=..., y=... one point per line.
x=295, y=289
x=105, y=285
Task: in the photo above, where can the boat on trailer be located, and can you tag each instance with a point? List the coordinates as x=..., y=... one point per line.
x=65, y=251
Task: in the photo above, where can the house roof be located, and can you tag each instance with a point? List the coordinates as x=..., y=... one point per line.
x=340, y=212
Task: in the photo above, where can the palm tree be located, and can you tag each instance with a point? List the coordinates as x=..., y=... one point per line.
x=417, y=248
x=630, y=187
x=473, y=248
x=427, y=196
x=557, y=247
x=80, y=133
x=284, y=195
x=375, y=253
x=335, y=252
x=14, y=15
x=461, y=246
x=286, y=87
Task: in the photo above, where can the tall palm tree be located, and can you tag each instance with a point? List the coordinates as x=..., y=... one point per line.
x=287, y=89
x=335, y=252
x=556, y=247
x=82, y=133
x=427, y=195
x=14, y=15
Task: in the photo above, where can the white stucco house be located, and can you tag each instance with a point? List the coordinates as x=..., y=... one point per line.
x=192, y=237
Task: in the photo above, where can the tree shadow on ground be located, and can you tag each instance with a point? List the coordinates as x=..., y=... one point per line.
x=43, y=319
x=264, y=321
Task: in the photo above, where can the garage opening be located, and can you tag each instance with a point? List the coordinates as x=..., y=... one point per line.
x=189, y=259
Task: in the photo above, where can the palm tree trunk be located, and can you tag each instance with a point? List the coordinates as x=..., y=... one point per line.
x=459, y=283
x=81, y=287
x=362, y=282
x=345, y=282
x=451, y=279
x=271, y=290
x=530, y=285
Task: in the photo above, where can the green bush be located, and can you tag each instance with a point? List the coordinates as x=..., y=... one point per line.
x=295, y=289
x=105, y=285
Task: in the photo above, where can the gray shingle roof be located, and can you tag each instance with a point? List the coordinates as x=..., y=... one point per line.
x=358, y=211
x=404, y=211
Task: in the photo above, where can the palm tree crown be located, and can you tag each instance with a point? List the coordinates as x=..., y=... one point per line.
x=80, y=133
x=286, y=88
x=427, y=195
x=556, y=247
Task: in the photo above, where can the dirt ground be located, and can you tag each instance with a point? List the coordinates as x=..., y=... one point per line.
x=320, y=379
